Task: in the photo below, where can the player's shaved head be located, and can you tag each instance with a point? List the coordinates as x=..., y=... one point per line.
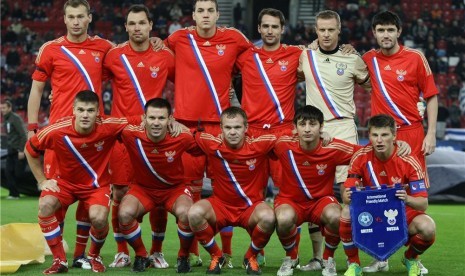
x=233, y=112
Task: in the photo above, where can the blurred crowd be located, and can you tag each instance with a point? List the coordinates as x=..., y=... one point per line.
x=437, y=29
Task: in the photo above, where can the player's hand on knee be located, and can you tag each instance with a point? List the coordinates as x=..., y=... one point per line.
x=50, y=185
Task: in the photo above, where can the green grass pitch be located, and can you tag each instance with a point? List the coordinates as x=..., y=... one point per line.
x=445, y=257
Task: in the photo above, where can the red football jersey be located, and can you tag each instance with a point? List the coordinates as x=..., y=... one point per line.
x=82, y=159
x=397, y=81
x=367, y=170
x=310, y=174
x=268, y=83
x=241, y=175
x=137, y=77
x=157, y=165
x=204, y=69
x=71, y=67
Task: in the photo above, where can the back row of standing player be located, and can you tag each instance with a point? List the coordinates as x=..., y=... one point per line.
x=205, y=59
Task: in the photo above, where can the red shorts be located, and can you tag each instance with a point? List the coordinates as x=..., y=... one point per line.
x=151, y=198
x=122, y=173
x=414, y=136
x=194, y=166
x=68, y=195
x=275, y=167
x=227, y=215
x=411, y=214
x=309, y=211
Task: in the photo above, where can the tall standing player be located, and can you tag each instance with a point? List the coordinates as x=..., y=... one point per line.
x=72, y=63
x=330, y=78
x=240, y=164
x=138, y=73
x=205, y=54
x=399, y=75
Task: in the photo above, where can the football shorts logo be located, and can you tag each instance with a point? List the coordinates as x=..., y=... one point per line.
x=321, y=168
x=341, y=67
x=391, y=216
x=365, y=219
x=170, y=156
x=154, y=70
x=96, y=56
x=220, y=48
x=99, y=145
x=251, y=164
x=283, y=65
x=187, y=192
x=47, y=168
x=400, y=74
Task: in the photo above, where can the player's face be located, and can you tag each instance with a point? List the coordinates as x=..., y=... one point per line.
x=86, y=114
x=233, y=130
x=138, y=27
x=328, y=33
x=156, y=122
x=382, y=139
x=308, y=130
x=270, y=30
x=386, y=36
x=5, y=109
x=205, y=15
x=77, y=20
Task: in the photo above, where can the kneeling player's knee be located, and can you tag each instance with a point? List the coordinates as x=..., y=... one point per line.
x=267, y=221
x=46, y=207
x=125, y=215
x=195, y=215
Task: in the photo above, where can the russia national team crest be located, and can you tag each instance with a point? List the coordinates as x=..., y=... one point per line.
x=220, y=48
x=154, y=71
x=99, y=145
x=401, y=74
x=321, y=168
x=251, y=164
x=96, y=56
x=341, y=67
x=170, y=156
x=283, y=65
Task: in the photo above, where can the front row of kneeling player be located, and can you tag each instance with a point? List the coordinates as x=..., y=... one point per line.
x=240, y=163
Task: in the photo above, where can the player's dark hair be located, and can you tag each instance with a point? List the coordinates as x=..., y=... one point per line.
x=271, y=12
x=328, y=14
x=232, y=112
x=8, y=103
x=87, y=96
x=75, y=4
x=136, y=8
x=308, y=113
x=382, y=120
x=386, y=18
x=158, y=103
x=214, y=1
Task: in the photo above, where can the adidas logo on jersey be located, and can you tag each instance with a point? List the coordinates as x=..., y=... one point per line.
x=207, y=43
x=269, y=60
x=83, y=146
x=82, y=52
x=387, y=68
x=306, y=163
x=154, y=151
x=140, y=64
x=383, y=173
x=327, y=60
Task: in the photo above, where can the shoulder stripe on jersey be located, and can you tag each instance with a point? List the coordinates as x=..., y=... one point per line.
x=147, y=163
x=79, y=66
x=297, y=175
x=360, y=152
x=114, y=120
x=414, y=163
x=206, y=73
x=320, y=84
x=52, y=127
x=42, y=48
x=373, y=179
x=82, y=161
x=134, y=80
x=237, y=31
x=237, y=185
x=208, y=136
x=269, y=87
x=423, y=59
x=385, y=93
x=340, y=146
